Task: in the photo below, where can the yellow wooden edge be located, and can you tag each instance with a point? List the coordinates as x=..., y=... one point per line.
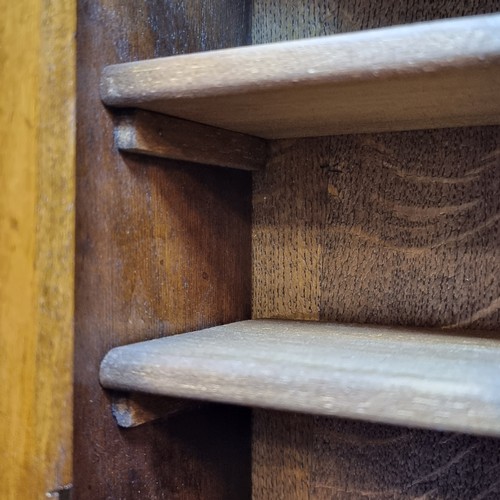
x=37, y=84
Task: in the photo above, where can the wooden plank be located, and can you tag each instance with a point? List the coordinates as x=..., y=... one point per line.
x=36, y=246
x=429, y=75
x=347, y=229
x=159, y=251
x=380, y=374
x=163, y=136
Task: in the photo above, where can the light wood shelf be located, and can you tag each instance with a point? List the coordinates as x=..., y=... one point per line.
x=402, y=376
x=428, y=75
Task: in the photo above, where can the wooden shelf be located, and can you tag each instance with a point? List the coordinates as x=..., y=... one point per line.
x=394, y=375
x=427, y=75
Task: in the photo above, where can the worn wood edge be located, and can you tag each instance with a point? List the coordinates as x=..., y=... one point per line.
x=135, y=409
x=376, y=54
x=154, y=134
x=471, y=406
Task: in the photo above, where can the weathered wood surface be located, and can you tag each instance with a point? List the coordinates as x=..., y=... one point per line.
x=379, y=374
x=159, y=251
x=382, y=228
x=154, y=134
x=427, y=75
x=37, y=85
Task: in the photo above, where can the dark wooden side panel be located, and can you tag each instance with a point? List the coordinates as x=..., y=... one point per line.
x=162, y=248
x=399, y=228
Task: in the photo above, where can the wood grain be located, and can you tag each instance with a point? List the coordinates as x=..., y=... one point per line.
x=380, y=374
x=36, y=246
x=406, y=232
x=162, y=248
x=281, y=462
x=331, y=458
x=427, y=75
x=154, y=134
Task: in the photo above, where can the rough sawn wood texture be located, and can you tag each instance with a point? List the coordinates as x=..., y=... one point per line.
x=399, y=228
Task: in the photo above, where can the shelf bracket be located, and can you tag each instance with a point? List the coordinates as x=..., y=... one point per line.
x=154, y=134
x=131, y=409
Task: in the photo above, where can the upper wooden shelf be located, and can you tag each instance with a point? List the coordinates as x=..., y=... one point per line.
x=427, y=75
x=393, y=375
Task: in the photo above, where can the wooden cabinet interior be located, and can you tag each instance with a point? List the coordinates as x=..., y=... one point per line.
x=267, y=90
x=398, y=228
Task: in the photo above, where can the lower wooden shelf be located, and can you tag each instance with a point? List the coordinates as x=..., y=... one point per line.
x=411, y=377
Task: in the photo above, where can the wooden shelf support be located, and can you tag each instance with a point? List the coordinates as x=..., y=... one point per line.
x=153, y=134
x=435, y=74
x=394, y=375
x=134, y=409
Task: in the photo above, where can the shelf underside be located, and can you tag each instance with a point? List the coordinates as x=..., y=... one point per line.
x=383, y=374
x=427, y=75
